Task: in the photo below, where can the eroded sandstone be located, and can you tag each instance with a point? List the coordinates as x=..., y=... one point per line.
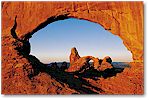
x=21, y=73
x=106, y=63
x=74, y=55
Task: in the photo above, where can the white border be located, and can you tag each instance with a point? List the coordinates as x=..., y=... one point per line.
x=101, y=97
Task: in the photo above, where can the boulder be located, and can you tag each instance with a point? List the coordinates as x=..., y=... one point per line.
x=107, y=59
x=105, y=64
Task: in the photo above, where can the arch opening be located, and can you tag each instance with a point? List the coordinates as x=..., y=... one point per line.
x=61, y=36
x=18, y=63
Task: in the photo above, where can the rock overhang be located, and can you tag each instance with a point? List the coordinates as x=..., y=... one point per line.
x=124, y=19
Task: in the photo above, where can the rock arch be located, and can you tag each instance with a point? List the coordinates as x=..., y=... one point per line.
x=120, y=18
x=124, y=19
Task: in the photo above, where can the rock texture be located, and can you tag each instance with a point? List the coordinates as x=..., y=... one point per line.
x=20, y=20
x=77, y=63
x=124, y=19
x=104, y=66
x=106, y=63
x=107, y=59
x=82, y=63
x=74, y=55
x=96, y=62
x=130, y=80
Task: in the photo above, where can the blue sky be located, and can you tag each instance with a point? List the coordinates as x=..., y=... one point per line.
x=54, y=42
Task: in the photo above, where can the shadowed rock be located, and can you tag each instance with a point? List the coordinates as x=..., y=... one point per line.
x=54, y=66
x=63, y=66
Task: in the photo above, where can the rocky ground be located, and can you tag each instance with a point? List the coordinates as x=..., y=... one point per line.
x=23, y=73
x=103, y=79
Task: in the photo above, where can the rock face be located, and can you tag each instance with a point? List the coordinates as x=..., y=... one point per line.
x=74, y=55
x=96, y=62
x=105, y=64
x=20, y=20
x=63, y=66
x=107, y=59
x=79, y=64
x=32, y=16
x=82, y=63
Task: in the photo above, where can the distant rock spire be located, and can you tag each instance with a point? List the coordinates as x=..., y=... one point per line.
x=74, y=55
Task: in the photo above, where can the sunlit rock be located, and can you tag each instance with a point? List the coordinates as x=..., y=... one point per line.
x=124, y=19
x=79, y=64
x=74, y=55
x=105, y=64
x=107, y=59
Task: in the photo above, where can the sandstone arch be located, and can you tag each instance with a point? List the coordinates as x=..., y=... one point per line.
x=124, y=19
x=120, y=18
x=83, y=62
x=77, y=63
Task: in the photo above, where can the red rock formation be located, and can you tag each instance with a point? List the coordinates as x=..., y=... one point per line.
x=96, y=62
x=111, y=15
x=74, y=55
x=107, y=59
x=124, y=19
x=104, y=66
x=106, y=63
x=130, y=80
x=79, y=64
